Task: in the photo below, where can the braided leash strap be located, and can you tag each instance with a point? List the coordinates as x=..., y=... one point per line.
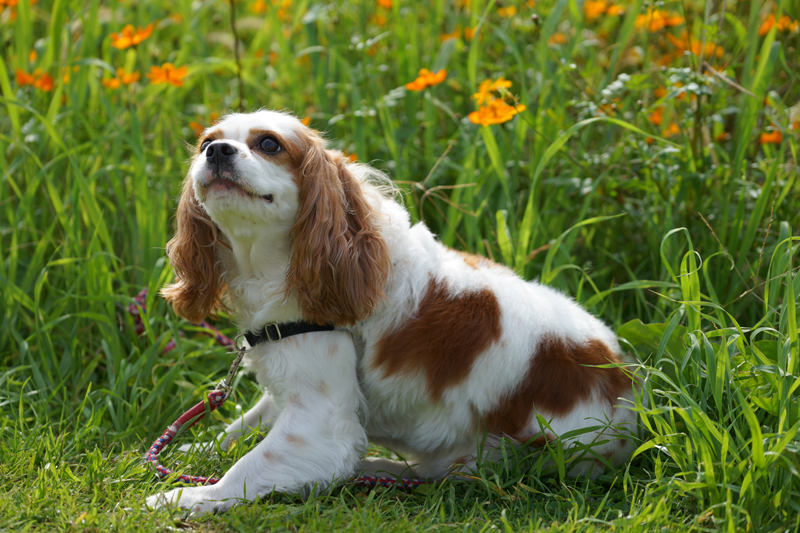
x=215, y=400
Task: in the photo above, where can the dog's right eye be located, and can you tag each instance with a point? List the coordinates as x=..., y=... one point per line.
x=204, y=146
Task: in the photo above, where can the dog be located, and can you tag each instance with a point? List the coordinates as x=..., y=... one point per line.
x=436, y=354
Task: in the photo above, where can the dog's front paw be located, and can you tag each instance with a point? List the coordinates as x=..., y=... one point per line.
x=197, y=500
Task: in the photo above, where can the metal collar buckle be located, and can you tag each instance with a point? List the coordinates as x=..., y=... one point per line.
x=277, y=329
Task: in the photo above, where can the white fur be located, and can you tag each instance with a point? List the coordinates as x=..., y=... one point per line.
x=325, y=397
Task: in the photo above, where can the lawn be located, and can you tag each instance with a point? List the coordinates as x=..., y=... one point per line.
x=641, y=157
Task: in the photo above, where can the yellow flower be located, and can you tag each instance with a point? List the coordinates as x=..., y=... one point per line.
x=656, y=20
x=167, y=73
x=507, y=12
x=426, y=79
x=130, y=37
x=495, y=112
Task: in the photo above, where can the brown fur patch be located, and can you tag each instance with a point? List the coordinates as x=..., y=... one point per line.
x=473, y=260
x=623, y=443
x=297, y=440
x=210, y=136
x=444, y=338
x=290, y=157
x=557, y=379
x=340, y=261
x=197, y=289
x=269, y=456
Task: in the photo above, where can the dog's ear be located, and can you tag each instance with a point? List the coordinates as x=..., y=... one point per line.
x=197, y=289
x=339, y=259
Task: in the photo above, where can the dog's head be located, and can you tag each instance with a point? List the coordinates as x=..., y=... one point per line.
x=267, y=172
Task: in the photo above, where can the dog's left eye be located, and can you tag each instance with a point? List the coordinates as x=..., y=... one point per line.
x=204, y=146
x=269, y=145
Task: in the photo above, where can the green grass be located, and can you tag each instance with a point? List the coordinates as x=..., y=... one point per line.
x=686, y=245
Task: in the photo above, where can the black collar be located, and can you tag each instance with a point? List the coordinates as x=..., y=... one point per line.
x=275, y=332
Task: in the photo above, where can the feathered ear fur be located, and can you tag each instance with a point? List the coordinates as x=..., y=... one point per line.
x=339, y=262
x=196, y=291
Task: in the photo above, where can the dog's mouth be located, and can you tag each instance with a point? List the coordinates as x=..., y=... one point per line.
x=224, y=181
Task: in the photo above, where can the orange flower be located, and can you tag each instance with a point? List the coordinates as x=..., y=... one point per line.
x=41, y=80
x=784, y=24
x=507, y=12
x=128, y=37
x=661, y=92
x=122, y=78
x=259, y=7
x=127, y=77
x=495, y=112
x=656, y=20
x=656, y=116
x=111, y=83
x=167, y=73
x=469, y=33
x=683, y=43
x=305, y=121
x=385, y=4
x=557, y=38
x=177, y=18
x=724, y=136
x=379, y=19
x=32, y=56
x=593, y=9
x=454, y=35
x=24, y=79
x=671, y=130
x=773, y=137
x=353, y=158
x=44, y=81
x=487, y=87
x=426, y=79
x=12, y=4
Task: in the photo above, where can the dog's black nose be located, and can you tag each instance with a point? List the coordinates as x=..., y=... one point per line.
x=217, y=153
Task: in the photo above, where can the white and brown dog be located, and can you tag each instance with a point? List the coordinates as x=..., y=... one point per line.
x=434, y=353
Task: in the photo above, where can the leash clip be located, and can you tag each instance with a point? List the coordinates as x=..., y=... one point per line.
x=227, y=382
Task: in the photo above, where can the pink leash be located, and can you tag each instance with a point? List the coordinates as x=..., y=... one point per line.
x=216, y=398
